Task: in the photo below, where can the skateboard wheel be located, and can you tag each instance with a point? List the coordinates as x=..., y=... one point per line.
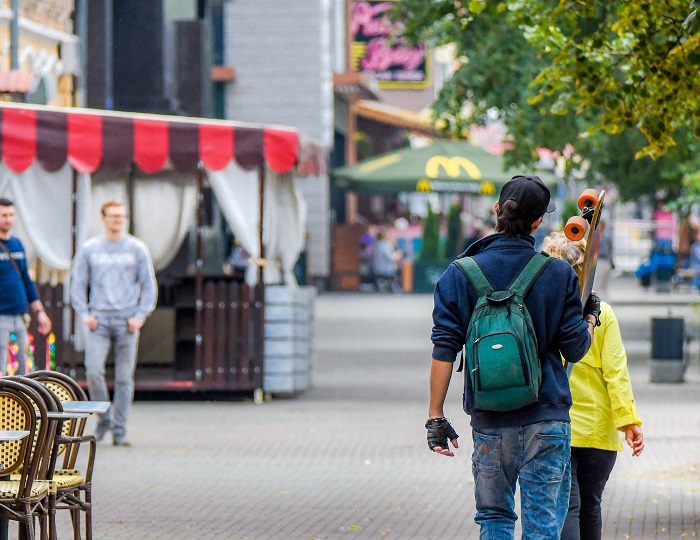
x=576, y=228
x=589, y=197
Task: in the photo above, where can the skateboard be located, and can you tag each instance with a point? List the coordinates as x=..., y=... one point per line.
x=590, y=203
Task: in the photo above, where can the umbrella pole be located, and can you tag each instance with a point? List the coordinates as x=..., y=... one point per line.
x=351, y=159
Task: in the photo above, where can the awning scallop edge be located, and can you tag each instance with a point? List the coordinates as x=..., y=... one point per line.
x=90, y=139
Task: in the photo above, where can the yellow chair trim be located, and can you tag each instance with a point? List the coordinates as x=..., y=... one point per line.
x=63, y=481
x=9, y=488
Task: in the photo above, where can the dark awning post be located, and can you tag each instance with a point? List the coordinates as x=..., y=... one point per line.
x=261, y=213
x=198, y=279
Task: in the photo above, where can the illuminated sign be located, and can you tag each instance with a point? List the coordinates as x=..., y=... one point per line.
x=452, y=167
x=391, y=61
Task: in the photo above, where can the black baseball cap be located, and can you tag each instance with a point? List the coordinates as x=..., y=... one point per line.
x=530, y=193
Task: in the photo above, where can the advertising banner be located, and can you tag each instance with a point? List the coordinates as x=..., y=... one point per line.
x=376, y=52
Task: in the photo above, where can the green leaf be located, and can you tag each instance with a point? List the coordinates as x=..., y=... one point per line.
x=476, y=7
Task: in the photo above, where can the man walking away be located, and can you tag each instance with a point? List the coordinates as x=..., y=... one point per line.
x=18, y=293
x=117, y=270
x=529, y=445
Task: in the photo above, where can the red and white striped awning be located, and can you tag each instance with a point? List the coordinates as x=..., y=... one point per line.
x=90, y=139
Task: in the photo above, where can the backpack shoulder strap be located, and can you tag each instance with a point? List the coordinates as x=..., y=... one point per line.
x=475, y=275
x=522, y=283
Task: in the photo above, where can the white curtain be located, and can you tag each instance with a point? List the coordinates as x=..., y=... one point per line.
x=236, y=191
x=290, y=211
x=284, y=218
x=164, y=211
x=44, y=208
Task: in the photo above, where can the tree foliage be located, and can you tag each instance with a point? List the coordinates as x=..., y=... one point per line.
x=430, y=246
x=562, y=70
x=455, y=235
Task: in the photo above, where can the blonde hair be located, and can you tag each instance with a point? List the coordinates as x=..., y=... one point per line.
x=559, y=246
x=110, y=204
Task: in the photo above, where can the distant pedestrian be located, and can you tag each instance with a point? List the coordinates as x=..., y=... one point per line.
x=385, y=263
x=476, y=233
x=687, y=233
x=366, y=246
x=695, y=262
x=603, y=406
x=237, y=262
x=117, y=271
x=18, y=294
x=528, y=446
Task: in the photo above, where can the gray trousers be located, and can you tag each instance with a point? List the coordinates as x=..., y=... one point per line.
x=9, y=324
x=112, y=331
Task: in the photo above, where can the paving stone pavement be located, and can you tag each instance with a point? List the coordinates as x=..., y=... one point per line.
x=348, y=459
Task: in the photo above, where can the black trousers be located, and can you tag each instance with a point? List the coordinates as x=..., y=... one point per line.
x=590, y=470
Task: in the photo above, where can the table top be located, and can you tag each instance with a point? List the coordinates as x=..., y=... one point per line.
x=85, y=406
x=14, y=435
x=65, y=415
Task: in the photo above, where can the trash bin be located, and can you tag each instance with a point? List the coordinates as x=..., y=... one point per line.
x=667, y=350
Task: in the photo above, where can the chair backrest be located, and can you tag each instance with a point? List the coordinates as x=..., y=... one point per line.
x=66, y=389
x=17, y=415
x=52, y=404
x=23, y=408
x=62, y=385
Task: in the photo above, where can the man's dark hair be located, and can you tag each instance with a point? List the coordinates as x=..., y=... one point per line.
x=6, y=202
x=511, y=223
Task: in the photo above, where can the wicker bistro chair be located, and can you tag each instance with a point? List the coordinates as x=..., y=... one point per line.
x=73, y=487
x=26, y=496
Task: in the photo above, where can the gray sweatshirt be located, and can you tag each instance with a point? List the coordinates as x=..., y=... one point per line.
x=119, y=275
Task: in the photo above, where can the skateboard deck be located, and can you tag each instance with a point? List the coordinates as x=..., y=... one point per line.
x=586, y=226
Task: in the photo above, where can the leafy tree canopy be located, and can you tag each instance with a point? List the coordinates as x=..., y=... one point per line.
x=599, y=76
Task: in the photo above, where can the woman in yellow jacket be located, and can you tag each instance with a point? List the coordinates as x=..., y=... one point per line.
x=603, y=405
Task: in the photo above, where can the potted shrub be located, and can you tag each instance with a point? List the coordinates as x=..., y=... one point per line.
x=431, y=261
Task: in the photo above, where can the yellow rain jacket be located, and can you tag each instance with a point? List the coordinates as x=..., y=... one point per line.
x=601, y=390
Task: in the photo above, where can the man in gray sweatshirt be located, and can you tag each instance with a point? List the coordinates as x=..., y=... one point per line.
x=117, y=270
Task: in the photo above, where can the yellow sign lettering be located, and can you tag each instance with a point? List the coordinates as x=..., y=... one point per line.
x=452, y=167
x=423, y=185
x=488, y=188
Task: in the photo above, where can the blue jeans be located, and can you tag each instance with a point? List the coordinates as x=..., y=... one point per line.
x=538, y=458
x=112, y=331
x=9, y=324
x=590, y=470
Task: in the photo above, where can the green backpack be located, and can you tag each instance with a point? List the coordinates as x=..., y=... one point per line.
x=501, y=346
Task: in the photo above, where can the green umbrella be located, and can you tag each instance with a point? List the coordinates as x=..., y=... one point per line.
x=443, y=166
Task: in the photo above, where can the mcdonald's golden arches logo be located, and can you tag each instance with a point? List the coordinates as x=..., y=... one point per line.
x=488, y=188
x=452, y=167
x=424, y=185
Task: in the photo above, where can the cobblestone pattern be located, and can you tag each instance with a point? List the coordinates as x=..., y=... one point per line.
x=348, y=458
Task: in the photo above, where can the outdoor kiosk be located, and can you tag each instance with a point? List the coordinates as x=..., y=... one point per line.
x=59, y=164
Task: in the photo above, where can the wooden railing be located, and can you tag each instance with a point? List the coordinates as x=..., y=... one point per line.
x=231, y=343
x=232, y=337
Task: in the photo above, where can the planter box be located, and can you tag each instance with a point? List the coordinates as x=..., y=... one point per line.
x=289, y=339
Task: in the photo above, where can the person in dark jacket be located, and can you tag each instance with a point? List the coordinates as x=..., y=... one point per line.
x=18, y=294
x=530, y=445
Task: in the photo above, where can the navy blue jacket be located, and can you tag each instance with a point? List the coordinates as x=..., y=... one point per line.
x=557, y=315
x=16, y=292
